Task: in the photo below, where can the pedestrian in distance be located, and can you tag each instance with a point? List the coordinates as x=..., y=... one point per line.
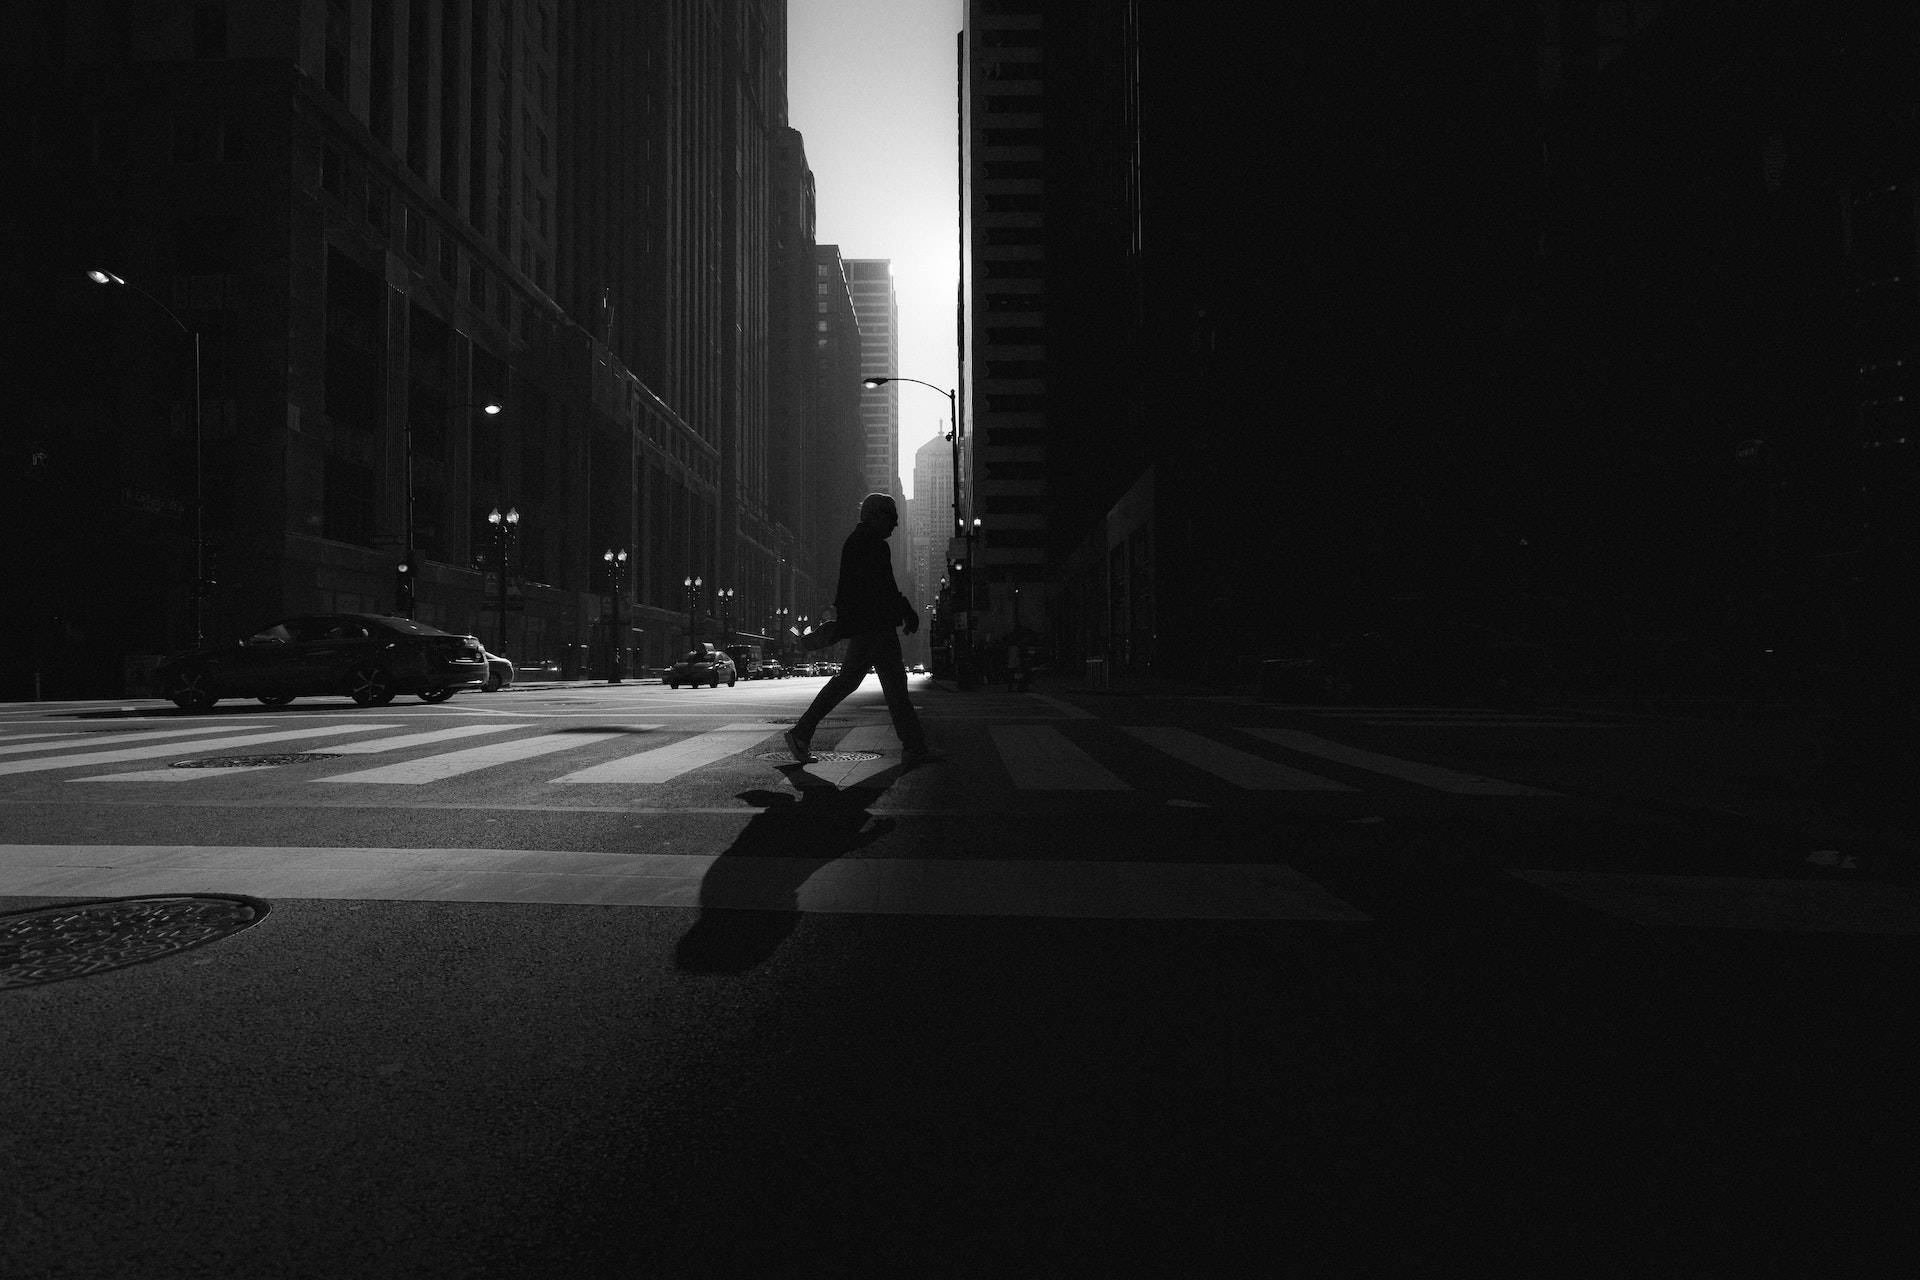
x=868, y=607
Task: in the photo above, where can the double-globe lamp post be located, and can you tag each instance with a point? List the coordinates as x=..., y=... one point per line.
x=616, y=580
x=504, y=526
x=692, y=583
x=197, y=598
x=963, y=667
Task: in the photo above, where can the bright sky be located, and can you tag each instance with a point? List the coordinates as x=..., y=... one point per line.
x=870, y=86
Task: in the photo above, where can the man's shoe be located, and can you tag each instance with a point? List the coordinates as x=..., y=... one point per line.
x=802, y=754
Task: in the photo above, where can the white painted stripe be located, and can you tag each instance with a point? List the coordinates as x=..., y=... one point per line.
x=155, y=751
x=674, y=758
x=1241, y=768
x=40, y=733
x=867, y=737
x=1426, y=775
x=449, y=764
x=91, y=740
x=1039, y=758
x=886, y=886
x=406, y=740
x=1732, y=902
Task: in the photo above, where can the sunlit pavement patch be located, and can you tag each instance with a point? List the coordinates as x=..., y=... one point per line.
x=840, y=757
x=52, y=944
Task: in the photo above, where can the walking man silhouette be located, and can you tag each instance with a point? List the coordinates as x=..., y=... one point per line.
x=867, y=607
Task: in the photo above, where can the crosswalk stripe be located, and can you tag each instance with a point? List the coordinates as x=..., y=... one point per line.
x=1039, y=758
x=1426, y=775
x=877, y=738
x=157, y=750
x=406, y=740
x=891, y=886
x=13, y=748
x=1255, y=773
x=453, y=763
x=674, y=758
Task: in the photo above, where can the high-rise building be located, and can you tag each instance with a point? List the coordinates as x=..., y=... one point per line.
x=877, y=308
x=376, y=218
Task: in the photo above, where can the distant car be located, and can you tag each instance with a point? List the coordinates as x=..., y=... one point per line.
x=770, y=669
x=500, y=672
x=705, y=665
x=368, y=657
x=804, y=669
x=917, y=669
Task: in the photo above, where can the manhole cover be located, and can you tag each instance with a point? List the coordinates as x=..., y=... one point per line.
x=843, y=757
x=51, y=944
x=251, y=762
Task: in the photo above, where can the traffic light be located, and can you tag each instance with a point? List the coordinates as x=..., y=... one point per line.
x=403, y=588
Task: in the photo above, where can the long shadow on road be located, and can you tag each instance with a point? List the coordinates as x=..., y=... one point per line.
x=750, y=896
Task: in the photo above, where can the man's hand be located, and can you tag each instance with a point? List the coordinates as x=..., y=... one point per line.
x=912, y=623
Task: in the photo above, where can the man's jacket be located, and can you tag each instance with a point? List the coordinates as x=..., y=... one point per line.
x=867, y=599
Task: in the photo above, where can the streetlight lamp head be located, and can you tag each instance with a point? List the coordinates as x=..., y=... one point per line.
x=513, y=516
x=875, y=382
x=489, y=408
x=104, y=277
x=493, y=516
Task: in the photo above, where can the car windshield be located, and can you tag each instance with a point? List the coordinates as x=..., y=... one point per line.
x=405, y=626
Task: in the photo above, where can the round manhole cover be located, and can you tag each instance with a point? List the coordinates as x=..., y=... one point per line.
x=251, y=762
x=51, y=944
x=843, y=757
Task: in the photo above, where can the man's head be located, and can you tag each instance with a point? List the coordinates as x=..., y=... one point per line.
x=879, y=511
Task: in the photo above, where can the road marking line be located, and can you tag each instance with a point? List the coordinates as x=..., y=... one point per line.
x=867, y=737
x=1426, y=775
x=1242, y=769
x=1733, y=902
x=89, y=740
x=416, y=739
x=449, y=764
x=882, y=886
x=90, y=758
x=1039, y=758
x=675, y=758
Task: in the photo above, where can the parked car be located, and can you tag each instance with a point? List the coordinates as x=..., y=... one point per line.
x=705, y=665
x=770, y=669
x=804, y=669
x=368, y=657
x=500, y=672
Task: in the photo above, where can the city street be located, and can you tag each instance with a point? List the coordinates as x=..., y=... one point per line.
x=584, y=980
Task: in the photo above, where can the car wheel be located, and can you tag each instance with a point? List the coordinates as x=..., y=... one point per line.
x=729, y=685
x=277, y=700
x=191, y=691
x=369, y=686
x=435, y=695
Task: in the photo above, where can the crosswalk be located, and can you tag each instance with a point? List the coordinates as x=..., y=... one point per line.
x=1080, y=757
x=1078, y=764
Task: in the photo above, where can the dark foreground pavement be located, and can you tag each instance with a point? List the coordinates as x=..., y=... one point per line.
x=1468, y=1085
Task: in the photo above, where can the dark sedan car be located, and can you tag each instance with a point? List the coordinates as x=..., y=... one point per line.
x=365, y=656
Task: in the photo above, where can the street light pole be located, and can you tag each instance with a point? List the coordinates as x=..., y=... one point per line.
x=197, y=599
x=503, y=528
x=692, y=584
x=725, y=596
x=963, y=675
x=616, y=562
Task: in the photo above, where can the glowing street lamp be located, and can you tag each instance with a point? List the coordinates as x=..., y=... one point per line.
x=504, y=526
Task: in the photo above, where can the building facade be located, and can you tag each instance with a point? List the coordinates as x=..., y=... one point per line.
x=373, y=220
x=875, y=305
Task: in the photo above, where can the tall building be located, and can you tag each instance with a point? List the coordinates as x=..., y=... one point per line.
x=933, y=522
x=877, y=308
x=376, y=217
x=835, y=464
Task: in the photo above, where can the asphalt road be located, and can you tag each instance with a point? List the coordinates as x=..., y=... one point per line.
x=586, y=981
